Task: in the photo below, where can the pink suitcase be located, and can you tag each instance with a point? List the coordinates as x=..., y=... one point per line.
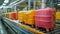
x=44, y=18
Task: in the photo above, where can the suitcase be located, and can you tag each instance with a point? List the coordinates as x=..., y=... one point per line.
x=7, y=15
x=44, y=18
x=31, y=17
x=21, y=16
x=25, y=17
x=14, y=15
x=10, y=15
x=57, y=15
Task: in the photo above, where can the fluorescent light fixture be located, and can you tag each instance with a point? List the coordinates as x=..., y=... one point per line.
x=6, y=1
x=1, y=6
x=13, y=2
x=58, y=4
x=4, y=4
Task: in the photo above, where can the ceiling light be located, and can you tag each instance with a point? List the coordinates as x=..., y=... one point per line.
x=58, y=4
x=1, y=6
x=4, y=4
x=6, y=1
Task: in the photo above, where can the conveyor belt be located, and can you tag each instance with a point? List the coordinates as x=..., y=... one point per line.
x=9, y=28
x=2, y=28
x=57, y=29
x=57, y=22
x=25, y=26
x=18, y=29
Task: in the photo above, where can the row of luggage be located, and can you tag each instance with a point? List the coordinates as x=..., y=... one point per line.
x=44, y=18
x=11, y=15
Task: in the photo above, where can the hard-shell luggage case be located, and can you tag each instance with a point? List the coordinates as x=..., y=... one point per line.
x=14, y=16
x=21, y=16
x=10, y=15
x=44, y=18
x=31, y=17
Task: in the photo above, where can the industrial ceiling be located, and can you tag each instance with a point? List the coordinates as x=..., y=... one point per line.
x=1, y=2
x=10, y=1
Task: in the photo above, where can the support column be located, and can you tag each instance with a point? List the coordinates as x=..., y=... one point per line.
x=15, y=8
x=43, y=4
x=51, y=3
x=34, y=4
x=29, y=4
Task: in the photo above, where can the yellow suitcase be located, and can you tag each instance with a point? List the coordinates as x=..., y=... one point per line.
x=7, y=15
x=58, y=15
x=20, y=16
x=4, y=15
x=31, y=17
x=10, y=15
x=25, y=17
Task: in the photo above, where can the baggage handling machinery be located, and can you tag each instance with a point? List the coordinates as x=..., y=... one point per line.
x=16, y=29
x=2, y=28
x=33, y=30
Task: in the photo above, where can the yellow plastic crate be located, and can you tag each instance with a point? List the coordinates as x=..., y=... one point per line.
x=58, y=15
